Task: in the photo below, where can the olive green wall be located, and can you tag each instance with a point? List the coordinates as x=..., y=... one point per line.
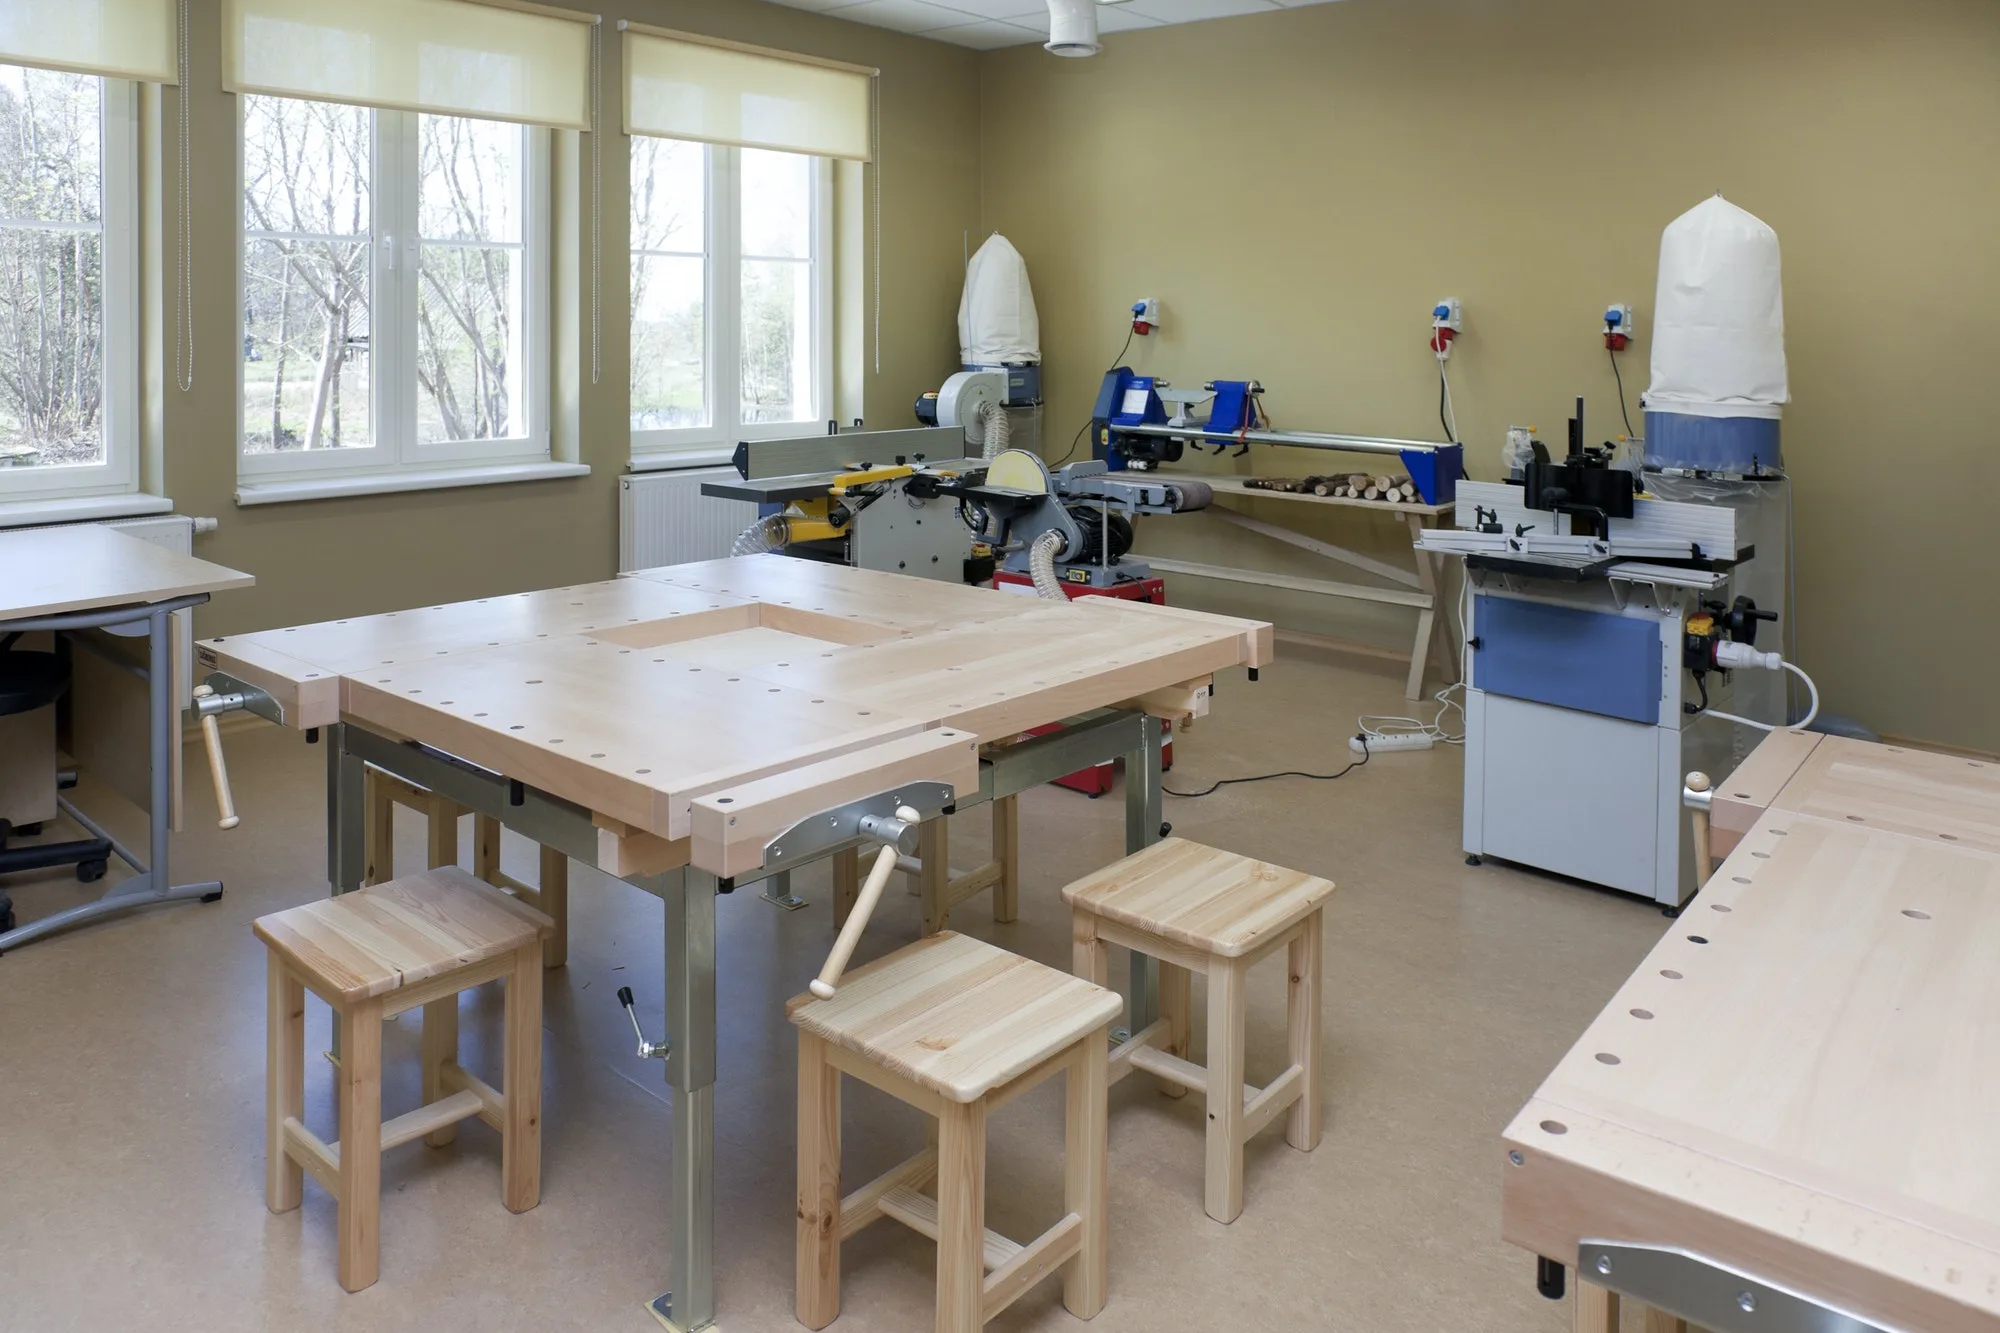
x=324, y=558
x=1299, y=187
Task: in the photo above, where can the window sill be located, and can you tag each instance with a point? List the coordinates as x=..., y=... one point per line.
x=386, y=483
x=676, y=460
x=81, y=509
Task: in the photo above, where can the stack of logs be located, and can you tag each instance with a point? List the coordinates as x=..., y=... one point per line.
x=1350, y=486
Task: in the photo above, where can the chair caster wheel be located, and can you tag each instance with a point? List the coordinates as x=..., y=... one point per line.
x=212, y=897
x=88, y=871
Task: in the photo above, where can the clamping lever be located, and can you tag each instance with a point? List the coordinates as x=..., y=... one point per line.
x=893, y=832
x=648, y=1050
x=208, y=703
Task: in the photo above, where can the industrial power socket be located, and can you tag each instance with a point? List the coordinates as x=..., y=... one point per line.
x=1409, y=740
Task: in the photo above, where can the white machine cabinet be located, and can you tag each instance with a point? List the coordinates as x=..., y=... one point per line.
x=1560, y=771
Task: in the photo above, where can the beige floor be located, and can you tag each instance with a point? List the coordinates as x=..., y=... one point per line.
x=131, y=1082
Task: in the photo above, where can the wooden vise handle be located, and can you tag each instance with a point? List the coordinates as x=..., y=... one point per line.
x=825, y=984
x=1704, y=862
x=218, y=771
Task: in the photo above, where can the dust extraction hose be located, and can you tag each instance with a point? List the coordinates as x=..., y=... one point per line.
x=767, y=534
x=1042, y=565
x=994, y=428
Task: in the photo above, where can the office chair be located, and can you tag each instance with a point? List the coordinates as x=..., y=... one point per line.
x=29, y=681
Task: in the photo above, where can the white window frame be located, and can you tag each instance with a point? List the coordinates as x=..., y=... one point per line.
x=118, y=474
x=395, y=248
x=722, y=324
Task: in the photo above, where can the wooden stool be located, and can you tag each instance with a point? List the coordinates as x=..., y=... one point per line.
x=385, y=791
x=373, y=954
x=1196, y=909
x=956, y=1028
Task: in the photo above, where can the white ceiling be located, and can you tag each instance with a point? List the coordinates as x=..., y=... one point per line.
x=987, y=24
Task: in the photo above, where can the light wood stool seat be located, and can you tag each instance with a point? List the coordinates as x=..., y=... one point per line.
x=371, y=955
x=1197, y=909
x=956, y=1028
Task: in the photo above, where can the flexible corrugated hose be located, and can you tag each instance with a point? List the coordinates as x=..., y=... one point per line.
x=1042, y=565
x=769, y=533
x=996, y=429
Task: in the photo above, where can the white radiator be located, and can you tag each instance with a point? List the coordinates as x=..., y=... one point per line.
x=664, y=519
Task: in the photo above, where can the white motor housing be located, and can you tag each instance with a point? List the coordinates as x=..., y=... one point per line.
x=975, y=402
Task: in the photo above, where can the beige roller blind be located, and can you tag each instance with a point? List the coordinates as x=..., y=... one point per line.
x=125, y=39
x=520, y=63
x=683, y=87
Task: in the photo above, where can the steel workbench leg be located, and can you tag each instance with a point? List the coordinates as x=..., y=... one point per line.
x=690, y=976
x=1142, y=830
x=346, y=813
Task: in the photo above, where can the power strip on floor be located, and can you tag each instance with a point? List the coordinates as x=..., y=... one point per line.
x=1407, y=740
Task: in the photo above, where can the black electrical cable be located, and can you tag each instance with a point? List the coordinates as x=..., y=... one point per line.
x=1266, y=777
x=1078, y=437
x=1630, y=434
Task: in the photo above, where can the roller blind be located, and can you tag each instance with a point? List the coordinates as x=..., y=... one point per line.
x=125, y=39
x=683, y=87
x=525, y=64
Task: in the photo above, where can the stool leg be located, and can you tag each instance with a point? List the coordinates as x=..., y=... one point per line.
x=1596, y=1309
x=1302, y=1122
x=1090, y=957
x=555, y=905
x=443, y=832
x=486, y=848
x=961, y=1182
x=1224, y=1175
x=1007, y=851
x=521, y=1140
x=284, y=1085
x=934, y=879
x=1659, y=1321
x=439, y=1048
x=1086, y=1186
x=360, y=1203
x=818, y=1266
x=1177, y=1007
x=379, y=825
x=846, y=884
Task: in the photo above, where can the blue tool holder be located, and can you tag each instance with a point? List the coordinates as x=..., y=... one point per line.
x=1435, y=472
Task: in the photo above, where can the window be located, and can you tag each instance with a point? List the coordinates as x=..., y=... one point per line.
x=730, y=322
x=394, y=301
x=69, y=319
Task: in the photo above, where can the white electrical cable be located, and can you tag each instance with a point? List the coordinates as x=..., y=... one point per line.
x=1377, y=726
x=1812, y=711
x=184, y=323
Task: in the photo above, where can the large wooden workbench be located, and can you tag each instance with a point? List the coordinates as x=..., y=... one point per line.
x=1786, y=1117
x=668, y=726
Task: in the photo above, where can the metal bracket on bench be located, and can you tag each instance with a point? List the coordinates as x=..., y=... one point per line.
x=830, y=830
x=232, y=695
x=1705, y=1293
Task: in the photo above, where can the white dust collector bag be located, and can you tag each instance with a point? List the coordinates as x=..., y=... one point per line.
x=1719, y=316
x=996, y=315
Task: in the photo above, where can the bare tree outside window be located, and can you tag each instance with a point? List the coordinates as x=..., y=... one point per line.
x=51, y=269
x=469, y=296
x=307, y=225
x=669, y=284
x=777, y=286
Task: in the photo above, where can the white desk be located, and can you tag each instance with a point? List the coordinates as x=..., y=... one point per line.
x=72, y=579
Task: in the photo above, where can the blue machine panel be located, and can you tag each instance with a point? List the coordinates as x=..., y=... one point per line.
x=1568, y=657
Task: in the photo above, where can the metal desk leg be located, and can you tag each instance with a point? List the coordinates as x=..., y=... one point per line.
x=1142, y=830
x=690, y=937
x=153, y=883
